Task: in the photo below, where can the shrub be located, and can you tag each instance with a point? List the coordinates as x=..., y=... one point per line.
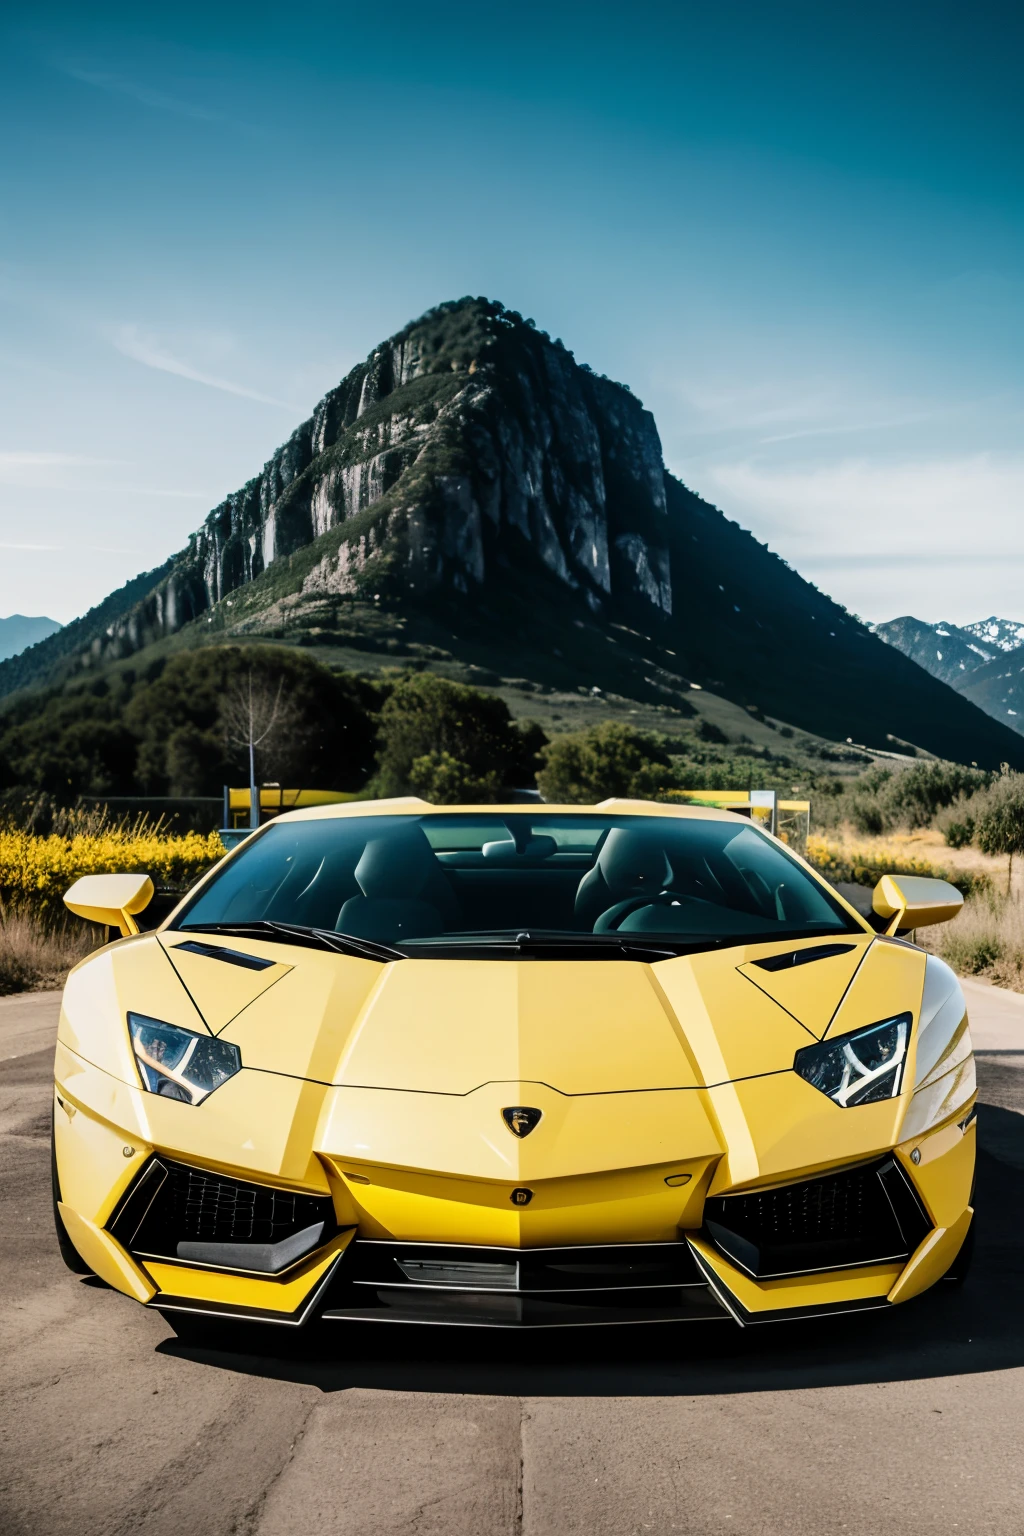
x=986, y=939
x=884, y=798
x=866, y=864
x=438, y=732
x=36, y=871
x=34, y=956
x=444, y=780
x=608, y=760
x=1000, y=820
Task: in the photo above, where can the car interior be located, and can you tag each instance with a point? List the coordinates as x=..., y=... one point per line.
x=403, y=879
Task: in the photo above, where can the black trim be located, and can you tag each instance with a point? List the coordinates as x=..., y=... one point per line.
x=519, y=1287
x=230, y=956
x=803, y=956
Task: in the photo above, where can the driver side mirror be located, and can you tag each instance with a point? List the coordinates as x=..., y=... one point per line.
x=914, y=901
x=110, y=900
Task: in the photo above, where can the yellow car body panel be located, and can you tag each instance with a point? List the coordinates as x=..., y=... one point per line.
x=841, y=1290
x=889, y=981
x=219, y=991
x=811, y=994
x=380, y=1092
x=244, y=1291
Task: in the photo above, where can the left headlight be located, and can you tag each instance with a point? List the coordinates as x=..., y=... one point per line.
x=178, y=1064
x=859, y=1068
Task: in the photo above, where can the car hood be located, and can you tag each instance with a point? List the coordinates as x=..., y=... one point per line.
x=580, y=1027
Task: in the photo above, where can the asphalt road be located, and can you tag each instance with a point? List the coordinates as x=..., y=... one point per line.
x=909, y=1421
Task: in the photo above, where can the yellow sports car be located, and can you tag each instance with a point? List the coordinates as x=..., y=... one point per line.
x=514, y=1065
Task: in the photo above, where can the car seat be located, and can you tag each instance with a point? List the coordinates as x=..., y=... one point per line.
x=394, y=874
x=631, y=869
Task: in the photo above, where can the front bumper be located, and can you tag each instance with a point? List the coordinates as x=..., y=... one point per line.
x=851, y=1239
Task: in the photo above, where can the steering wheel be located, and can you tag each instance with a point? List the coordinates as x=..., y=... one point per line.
x=609, y=920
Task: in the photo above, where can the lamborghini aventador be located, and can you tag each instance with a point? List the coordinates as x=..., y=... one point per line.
x=514, y=1066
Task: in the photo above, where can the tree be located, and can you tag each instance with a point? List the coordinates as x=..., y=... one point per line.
x=254, y=713
x=999, y=827
x=442, y=739
x=611, y=759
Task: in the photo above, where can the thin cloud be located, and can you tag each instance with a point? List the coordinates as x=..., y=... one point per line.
x=942, y=536
x=133, y=343
x=117, y=85
x=29, y=460
x=860, y=426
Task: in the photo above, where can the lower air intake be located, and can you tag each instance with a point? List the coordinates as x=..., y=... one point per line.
x=856, y=1216
x=172, y=1204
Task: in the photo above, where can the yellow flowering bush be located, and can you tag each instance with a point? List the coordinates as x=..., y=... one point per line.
x=866, y=863
x=36, y=871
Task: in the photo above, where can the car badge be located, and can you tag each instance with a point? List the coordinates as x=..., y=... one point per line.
x=521, y=1121
x=521, y=1196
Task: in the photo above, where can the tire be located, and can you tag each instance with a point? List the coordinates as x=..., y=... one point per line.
x=68, y=1252
x=960, y=1268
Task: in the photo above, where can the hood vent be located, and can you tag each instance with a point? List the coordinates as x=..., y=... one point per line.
x=229, y=956
x=803, y=956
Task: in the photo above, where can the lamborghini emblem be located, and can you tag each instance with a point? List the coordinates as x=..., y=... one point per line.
x=521, y=1121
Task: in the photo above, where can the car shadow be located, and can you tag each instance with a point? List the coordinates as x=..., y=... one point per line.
x=951, y=1330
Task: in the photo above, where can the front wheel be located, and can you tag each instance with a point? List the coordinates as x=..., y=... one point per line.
x=68, y=1252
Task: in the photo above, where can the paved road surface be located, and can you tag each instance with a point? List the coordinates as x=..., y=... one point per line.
x=907, y=1422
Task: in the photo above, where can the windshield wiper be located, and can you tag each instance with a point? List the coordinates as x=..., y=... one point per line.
x=296, y=933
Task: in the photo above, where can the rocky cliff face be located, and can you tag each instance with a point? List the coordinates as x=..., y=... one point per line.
x=467, y=445
x=472, y=498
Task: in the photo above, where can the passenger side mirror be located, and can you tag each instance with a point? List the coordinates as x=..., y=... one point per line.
x=914, y=901
x=110, y=900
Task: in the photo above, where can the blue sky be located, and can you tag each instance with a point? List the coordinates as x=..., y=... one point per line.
x=795, y=230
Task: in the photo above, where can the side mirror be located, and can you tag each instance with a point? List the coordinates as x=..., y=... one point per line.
x=912, y=901
x=110, y=900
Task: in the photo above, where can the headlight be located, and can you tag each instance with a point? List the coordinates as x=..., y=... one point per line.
x=859, y=1068
x=178, y=1064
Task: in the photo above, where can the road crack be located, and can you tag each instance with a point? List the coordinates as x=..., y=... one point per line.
x=251, y=1519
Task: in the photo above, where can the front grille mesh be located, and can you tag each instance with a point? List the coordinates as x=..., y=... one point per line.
x=856, y=1216
x=171, y=1203
x=213, y=1210
x=833, y=1207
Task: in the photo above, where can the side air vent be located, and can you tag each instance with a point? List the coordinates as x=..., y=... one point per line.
x=803, y=956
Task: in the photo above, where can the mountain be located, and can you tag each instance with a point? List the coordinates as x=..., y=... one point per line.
x=998, y=689
x=80, y=642
x=472, y=495
x=997, y=634
x=944, y=650
x=18, y=632
x=976, y=659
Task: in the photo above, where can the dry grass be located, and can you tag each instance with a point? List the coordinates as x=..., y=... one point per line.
x=987, y=939
x=33, y=956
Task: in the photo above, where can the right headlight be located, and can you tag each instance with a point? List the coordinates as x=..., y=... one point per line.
x=860, y=1068
x=179, y=1064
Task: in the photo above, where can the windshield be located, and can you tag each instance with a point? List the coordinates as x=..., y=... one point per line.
x=477, y=879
